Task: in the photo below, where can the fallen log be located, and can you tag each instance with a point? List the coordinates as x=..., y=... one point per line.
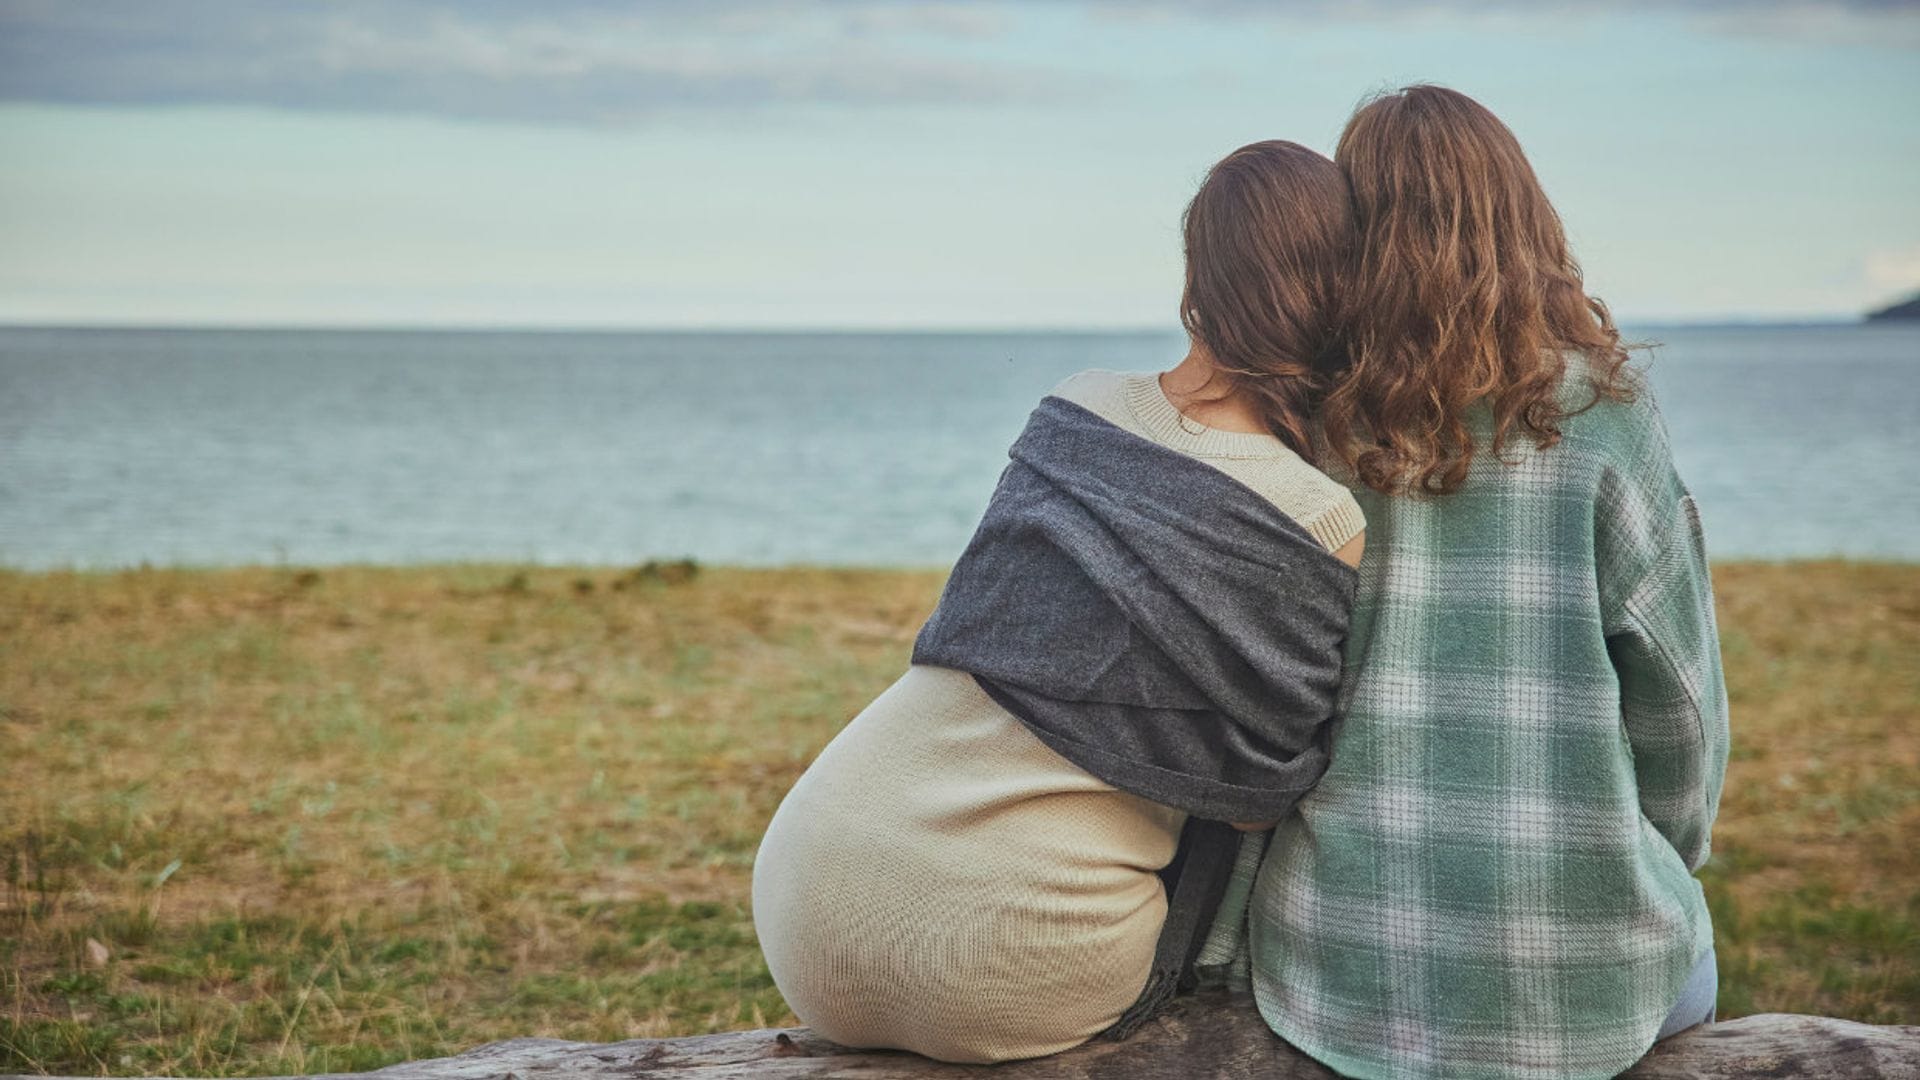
x=1205, y=1035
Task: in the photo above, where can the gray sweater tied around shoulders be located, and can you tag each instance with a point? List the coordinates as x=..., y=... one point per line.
x=1161, y=625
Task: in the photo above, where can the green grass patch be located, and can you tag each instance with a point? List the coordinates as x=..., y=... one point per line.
x=275, y=820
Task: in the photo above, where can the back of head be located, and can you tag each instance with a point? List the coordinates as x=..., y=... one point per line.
x=1268, y=237
x=1464, y=291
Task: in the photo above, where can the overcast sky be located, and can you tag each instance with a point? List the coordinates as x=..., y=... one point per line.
x=883, y=164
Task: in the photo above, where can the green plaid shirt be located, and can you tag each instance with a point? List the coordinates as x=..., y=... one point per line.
x=1494, y=877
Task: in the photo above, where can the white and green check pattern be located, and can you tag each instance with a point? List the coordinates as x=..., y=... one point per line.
x=1494, y=877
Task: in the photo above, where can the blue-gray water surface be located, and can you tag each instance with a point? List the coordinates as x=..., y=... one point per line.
x=216, y=447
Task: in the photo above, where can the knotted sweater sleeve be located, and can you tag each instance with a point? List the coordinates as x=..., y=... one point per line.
x=1662, y=634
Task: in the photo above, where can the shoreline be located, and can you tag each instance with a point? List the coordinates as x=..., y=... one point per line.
x=492, y=565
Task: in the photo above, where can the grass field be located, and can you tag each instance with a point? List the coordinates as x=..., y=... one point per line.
x=278, y=820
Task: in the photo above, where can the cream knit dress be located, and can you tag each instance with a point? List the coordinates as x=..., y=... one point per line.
x=941, y=881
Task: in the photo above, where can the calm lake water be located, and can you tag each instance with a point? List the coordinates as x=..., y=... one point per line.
x=215, y=447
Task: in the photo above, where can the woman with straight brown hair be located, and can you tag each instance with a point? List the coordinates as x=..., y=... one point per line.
x=1019, y=843
x=1495, y=876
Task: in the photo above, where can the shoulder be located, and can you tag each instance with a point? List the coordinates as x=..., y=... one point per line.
x=1624, y=436
x=1335, y=518
x=1615, y=428
x=1132, y=401
x=1321, y=505
x=1091, y=387
x=1105, y=393
x=1612, y=446
x=1642, y=506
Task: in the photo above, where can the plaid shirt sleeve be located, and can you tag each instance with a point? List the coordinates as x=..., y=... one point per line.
x=1663, y=637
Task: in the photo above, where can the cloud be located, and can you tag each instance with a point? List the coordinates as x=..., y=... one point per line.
x=1881, y=22
x=1381, y=8
x=602, y=61
x=1891, y=271
x=570, y=61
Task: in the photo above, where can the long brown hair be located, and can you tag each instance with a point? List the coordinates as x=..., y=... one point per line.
x=1267, y=238
x=1464, y=290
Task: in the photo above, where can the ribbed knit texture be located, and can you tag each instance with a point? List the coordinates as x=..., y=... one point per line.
x=941, y=881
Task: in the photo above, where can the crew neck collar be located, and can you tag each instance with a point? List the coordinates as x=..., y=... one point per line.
x=1168, y=425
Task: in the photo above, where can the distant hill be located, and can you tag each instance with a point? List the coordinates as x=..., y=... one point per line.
x=1905, y=309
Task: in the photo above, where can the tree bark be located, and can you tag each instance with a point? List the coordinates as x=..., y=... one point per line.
x=1202, y=1036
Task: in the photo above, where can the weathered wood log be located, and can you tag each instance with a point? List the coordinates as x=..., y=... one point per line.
x=1207, y=1035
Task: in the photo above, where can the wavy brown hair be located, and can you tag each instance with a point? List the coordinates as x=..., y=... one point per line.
x=1464, y=290
x=1267, y=237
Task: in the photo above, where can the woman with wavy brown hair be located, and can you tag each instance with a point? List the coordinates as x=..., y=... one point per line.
x=1495, y=876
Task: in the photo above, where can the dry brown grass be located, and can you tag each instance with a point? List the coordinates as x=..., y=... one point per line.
x=1815, y=876
x=415, y=809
